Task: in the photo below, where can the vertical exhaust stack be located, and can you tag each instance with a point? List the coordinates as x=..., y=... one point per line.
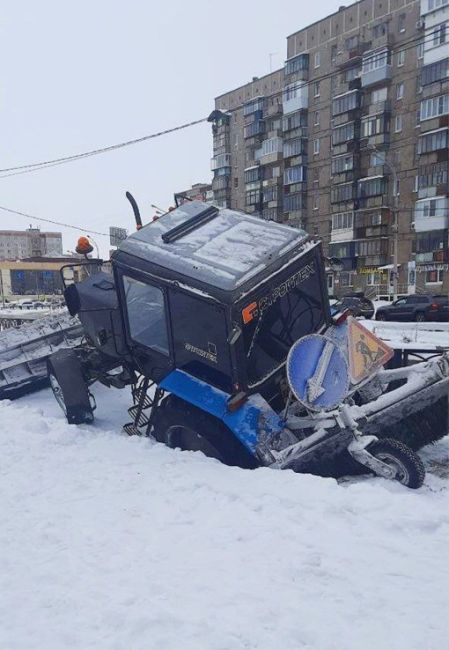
x=136, y=210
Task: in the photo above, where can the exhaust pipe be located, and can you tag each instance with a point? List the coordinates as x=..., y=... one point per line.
x=136, y=211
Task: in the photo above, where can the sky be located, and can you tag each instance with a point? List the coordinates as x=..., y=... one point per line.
x=87, y=74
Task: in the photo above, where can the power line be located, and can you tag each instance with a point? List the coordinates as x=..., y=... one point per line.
x=94, y=152
x=56, y=223
x=32, y=167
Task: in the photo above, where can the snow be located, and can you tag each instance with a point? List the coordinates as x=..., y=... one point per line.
x=224, y=251
x=111, y=542
x=410, y=335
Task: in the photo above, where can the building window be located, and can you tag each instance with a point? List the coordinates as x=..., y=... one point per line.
x=374, y=125
x=439, y=35
x=435, y=72
x=379, y=30
x=420, y=50
x=400, y=90
x=351, y=43
x=294, y=121
x=253, y=106
x=379, y=95
x=317, y=58
x=296, y=174
x=294, y=147
x=375, y=61
x=297, y=64
x=316, y=89
x=401, y=23
x=343, y=133
x=432, y=175
x=253, y=175
x=434, y=277
x=341, y=164
x=272, y=145
x=317, y=118
x=347, y=102
x=316, y=146
x=374, y=186
x=434, y=107
x=400, y=58
x=342, y=193
x=433, y=141
x=431, y=207
x=342, y=220
x=398, y=124
x=253, y=197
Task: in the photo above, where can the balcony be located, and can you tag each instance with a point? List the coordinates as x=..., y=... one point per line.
x=221, y=161
x=295, y=98
x=254, y=129
x=376, y=76
x=297, y=67
x=376, y=67
x=253, y=106
x=347, y=58
x=432, y=214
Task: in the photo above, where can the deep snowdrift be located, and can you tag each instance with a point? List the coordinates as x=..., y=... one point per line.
x=114, y=542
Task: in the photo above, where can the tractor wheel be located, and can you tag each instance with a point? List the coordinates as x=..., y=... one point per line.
x=180, y=425
x=69, y=387
x=409, y=468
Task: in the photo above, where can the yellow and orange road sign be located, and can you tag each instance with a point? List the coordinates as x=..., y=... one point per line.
x=367, y=353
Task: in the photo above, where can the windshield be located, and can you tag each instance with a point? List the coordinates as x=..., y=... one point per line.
x=269, y=337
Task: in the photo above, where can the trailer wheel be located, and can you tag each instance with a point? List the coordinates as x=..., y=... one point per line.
x=409, y=467
x=69, y=387
x=180, y=425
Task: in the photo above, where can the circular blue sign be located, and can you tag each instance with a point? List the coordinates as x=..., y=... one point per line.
x=317, y=373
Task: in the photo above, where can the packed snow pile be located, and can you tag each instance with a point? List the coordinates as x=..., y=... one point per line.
x=111, y=542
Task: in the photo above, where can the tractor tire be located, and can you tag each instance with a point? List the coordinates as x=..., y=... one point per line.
x=409, y=467
x=180, y=425
x=69, y=387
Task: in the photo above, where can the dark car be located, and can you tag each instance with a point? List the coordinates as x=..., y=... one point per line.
x=416, y=308
x=357, y=304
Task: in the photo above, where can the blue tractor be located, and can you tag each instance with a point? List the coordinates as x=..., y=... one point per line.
x=202, y=316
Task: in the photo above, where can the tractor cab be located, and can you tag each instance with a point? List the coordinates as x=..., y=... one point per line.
x=219, y=294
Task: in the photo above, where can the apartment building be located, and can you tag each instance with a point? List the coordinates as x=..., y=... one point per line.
x=350, y=142
x=20, y=244
x=198, y=192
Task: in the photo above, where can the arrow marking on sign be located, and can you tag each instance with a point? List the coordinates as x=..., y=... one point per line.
x=315, y=384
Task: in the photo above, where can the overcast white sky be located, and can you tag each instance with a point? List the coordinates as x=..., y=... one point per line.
x=85, y=74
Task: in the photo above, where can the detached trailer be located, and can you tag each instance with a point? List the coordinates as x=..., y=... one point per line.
x=199, y=317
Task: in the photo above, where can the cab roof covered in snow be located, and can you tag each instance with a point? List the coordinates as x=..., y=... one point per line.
x=219, y=247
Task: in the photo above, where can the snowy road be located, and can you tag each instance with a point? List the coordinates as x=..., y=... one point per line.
x=110, y=542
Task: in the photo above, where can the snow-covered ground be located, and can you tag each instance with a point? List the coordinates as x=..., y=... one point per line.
x=110, y=542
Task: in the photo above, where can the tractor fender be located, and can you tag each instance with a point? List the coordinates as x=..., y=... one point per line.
x=254, y=423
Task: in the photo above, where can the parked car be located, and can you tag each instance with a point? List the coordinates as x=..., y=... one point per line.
x=357, y=303
x=416, y=308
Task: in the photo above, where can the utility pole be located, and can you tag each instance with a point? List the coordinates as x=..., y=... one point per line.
x=395, y=210
x=2, y=289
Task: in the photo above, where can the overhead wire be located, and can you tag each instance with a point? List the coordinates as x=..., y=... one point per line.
x=52, y=221
x=31, y=167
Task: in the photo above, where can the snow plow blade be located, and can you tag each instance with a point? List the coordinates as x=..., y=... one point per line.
x=415, y=410
x=24, y=352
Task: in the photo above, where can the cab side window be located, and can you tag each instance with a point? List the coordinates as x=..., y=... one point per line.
x=146, y=314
